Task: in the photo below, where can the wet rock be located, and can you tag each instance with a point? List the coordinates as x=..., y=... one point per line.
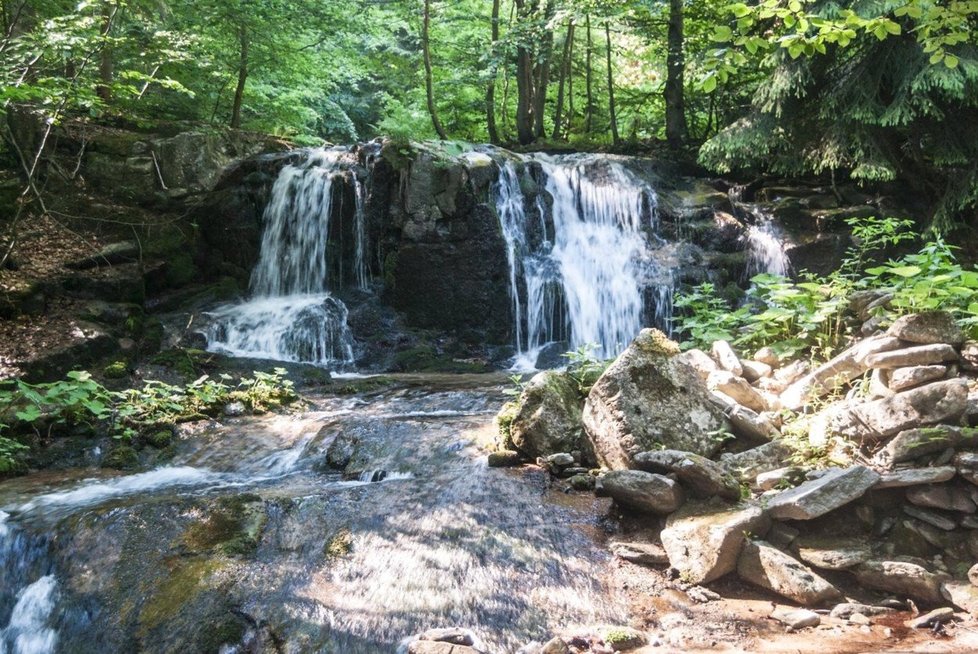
x=901, y=379
x=737, y=389
x=915, y=443
x=873, y=421
x=559, y=460
x=499, y=459
x=745, y=466
x=770, y=568
x=927, y=328
x=944, y=497
x=933, y=518
x=649, y=399
x=907, y=578
x=815, y=498
x=640, y=552
x=914, y=477
x=235, y=409
x=921, y=355
x=833, y=553
x=582, y=482
x=726, y=358
x=548, y=416
x=796, y=619
x=837, y=372
x=702, y=477
x=962, y=594
x=937, y=616
x=704, y=539
x=642, y=490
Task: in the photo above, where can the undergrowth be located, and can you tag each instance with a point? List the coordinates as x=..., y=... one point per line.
x=80, y=402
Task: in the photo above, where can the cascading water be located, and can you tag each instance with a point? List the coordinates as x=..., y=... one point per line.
x=582, y=279
x=28, y=593
x=292, y=316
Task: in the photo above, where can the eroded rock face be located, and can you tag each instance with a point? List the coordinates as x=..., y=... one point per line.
x=649, y=399
x=704, y=539
x=548, y=420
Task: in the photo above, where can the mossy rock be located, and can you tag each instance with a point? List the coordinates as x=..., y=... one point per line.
x=160, y=439
x=185, y=361
x=116, y=370
x=368, y=385
x=425, y=358
x=121, y=457
x=340, y=545
x=232, y=527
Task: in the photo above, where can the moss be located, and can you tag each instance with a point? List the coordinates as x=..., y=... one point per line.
x=160, y=439
x=653, y=341
x=233, y=527
x=226, y=632
x=424, y=358
x=185, y=361
x=180, y=269
x=504, y=421
x=368, y=385
x=185, y=581
x=339, y=545
x=390, y=270
x=121, y=457
x=116, y=370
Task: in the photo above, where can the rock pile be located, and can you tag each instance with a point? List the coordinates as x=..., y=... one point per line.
x=764, y=469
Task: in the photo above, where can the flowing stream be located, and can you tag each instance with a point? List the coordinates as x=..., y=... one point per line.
x=414, y=533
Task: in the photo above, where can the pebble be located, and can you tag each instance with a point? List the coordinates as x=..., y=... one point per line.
x=797, y=619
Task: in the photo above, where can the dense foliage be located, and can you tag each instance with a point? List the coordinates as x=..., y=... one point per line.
x=872, y=89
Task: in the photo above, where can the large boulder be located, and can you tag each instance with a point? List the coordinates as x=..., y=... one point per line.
x=927, y=327
x=770, y=568
x=548, y=416
x=650, y=399
x=905, y=576
x=704, y=539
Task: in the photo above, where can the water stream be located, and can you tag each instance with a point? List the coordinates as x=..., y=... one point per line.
x=415, y=533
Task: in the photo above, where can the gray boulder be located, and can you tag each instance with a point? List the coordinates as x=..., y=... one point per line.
x=905, y=576
x=920, y=355
x=927, y=327
x=901, y=379
x=770, y=568
x=644, y=491
x=745, y=466
x=649, y=399
x=704, y=539
x=914, y=443
x=914, y=477
x=701, y=476
x=815, y=498
x=833, y=553
x=548, y=417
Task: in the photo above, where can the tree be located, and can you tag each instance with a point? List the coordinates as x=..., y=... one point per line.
x=428, y=82
x=676, y=128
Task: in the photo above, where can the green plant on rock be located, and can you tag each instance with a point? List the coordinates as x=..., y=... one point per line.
x=10, y=453
x=77, y=399
x=585, y=367
x=704, y=317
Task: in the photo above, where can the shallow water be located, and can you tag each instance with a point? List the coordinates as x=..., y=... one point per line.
x=110, y=562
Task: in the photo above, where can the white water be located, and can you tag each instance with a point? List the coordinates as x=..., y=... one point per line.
x=582, y=280
x=28, y=631
x=292, y=316
x=766, y=250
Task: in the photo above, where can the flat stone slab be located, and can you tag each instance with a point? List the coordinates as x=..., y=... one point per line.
x=704, y=539
x=927, y=327
x=933, y=518
x=946, y=497
x=914, y=477
x=903, y=378
x=920, y=355
x=702, y=477
x=937, y=616
x=962, y=594
x=796, y=619
x=640, y=552
x=770, y=568
x=815, y=498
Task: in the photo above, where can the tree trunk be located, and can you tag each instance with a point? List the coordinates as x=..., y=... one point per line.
x=105, y=67
x=524, y=81
x=428, y=83
x=588, y=82
x=611, y=89
x=543, y=75
x=675, y=66
x=491, y=87
x=564, y=74
x=242, y=77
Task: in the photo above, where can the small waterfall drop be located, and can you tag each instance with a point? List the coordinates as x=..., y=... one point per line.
x=579, y=278
x=766, y=249
x=292, y=316
x=28, y=593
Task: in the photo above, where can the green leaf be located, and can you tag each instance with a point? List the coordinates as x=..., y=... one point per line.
x=905, y=271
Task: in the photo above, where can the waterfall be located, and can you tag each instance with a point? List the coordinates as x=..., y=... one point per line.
x=765, y=249
x=292, y=316
x=28, y=594
x=579, y=279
